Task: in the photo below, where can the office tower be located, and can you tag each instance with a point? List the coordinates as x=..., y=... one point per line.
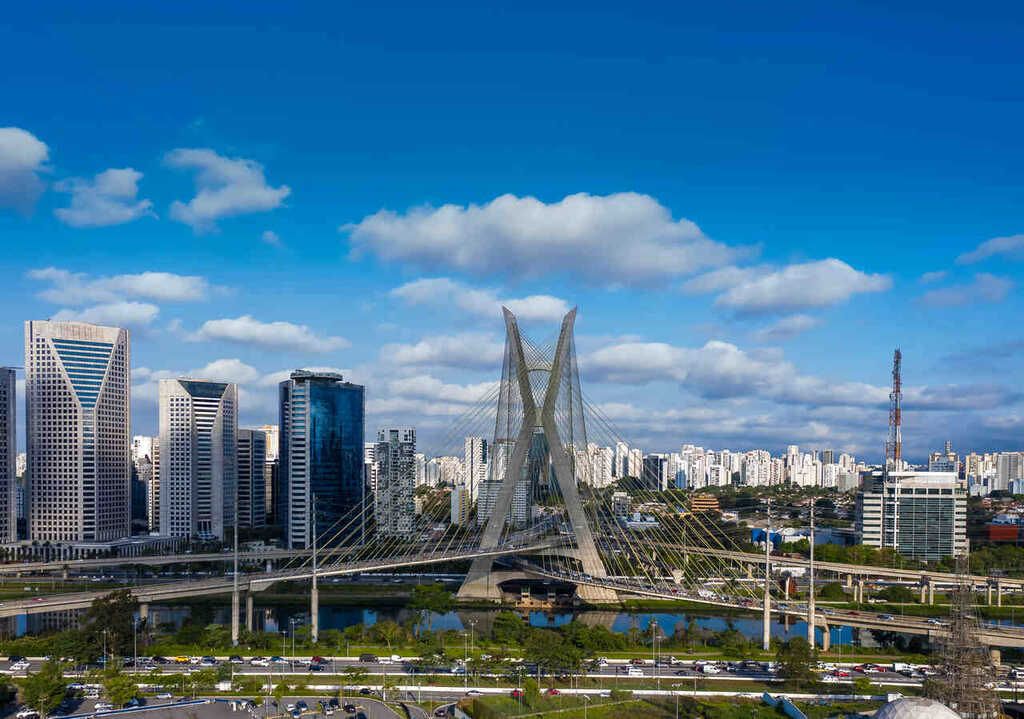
x=198, y=462
x=77, y=391
x=8, y=447
x=421, y=469
x=394, y=507
x=153, y=493
x=1009, y=466
x=252, y=494
x=828, y=456
x=272, y=432
x=475, y=464
x=922, y=515
x=143, y=486
x=272, y=491
x=321, y=457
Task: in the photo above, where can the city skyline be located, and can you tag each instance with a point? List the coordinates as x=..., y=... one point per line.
x=746, y=239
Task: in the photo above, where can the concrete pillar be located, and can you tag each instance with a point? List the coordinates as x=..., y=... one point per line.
x=999, y=593
x=988, y=594
x=269, y=566
x=235, y=609
x=860, y=590
x=144, y=611
x=848, y=581
x=931, y=592
x=924, y=593
x=248, y=611
x=826, y=638
x=314, y=613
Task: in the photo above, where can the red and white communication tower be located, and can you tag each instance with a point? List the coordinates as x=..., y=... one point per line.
x=894, y=445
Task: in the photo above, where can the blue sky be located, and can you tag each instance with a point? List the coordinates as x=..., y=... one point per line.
x=752, y=206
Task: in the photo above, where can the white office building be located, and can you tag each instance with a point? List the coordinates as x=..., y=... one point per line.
x=77, y=392
x=474, y=465
x=198, y=460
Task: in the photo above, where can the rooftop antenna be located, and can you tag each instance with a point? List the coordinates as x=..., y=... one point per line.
x=894, y=445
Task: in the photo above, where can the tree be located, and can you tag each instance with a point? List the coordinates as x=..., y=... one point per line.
x=862, y=685
x=354, y=675
x=796, y=659
x=508, y=628
x=119, y=688
x=898, y=594
x=114, y=615
x=388, y=631
x=427, y=598
x=44, y=690
x=832, y=592
x=531, y=692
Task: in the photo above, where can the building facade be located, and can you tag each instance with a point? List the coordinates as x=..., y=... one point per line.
x=198, y=458
x=8, y=454
x=321, y=456
x=394, y=504
x=78, y=414
x=922, y=515
x=252, y=495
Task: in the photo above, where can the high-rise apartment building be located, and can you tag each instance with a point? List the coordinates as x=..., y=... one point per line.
x=1009, y=466
x=460, y=506
x=198, y=461
x=252, y=460
x=144, y=472
x=271, y=475
x=8, y=452
x=77, y=393
x=153, y=495
x=394, y=505
x=922, y=515
x=475, y=465
x=321, y=456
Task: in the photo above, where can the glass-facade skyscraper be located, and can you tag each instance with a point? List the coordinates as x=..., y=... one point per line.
x=321, y=456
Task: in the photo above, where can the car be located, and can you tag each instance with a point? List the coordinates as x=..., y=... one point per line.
x=278, y=660
x=295, y=713
x=27, y=713
x=474, y=693
x=301, y=705
x=366, y=691
x=165, y=695
x=441, y=712
x=316, y=667
x=637, y=662
x=103, y=706
x=15, y=658
x=235, y=659
x=552, y=691
x=350, y=708
x=886, y=617
x=159, y=660
x=933, y=621
x=290, y=706
x=133, y=702
x=516, y=693
x=334, y=703
x=181, y=659
x=319, y=660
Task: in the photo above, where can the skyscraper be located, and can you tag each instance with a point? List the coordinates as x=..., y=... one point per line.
x=198, y=463
x=143, y=471
x=321, y=456
x=394, y=506
x=8, y=451
x=77, y=391
x=252, y=458
x=475, y=465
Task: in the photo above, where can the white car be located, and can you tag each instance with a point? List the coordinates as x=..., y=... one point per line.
x=27, y=713
x=165, y=695
x=103, y=706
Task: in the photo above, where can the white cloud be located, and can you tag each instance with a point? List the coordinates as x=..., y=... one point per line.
x=431, y=388
x=1011, y=247
x=785, y=328
x=75, y=288
x=227, y=370
x=107, y=199
x=120, y=314
x=984, y=288
x=469, y=350
x=929, y=277
x=22, y=159
x=447, y=293
x=225, y=187
x=247, y=330
x=723, y=278
x=270, y=237
x=623, y=238
x=799, y=287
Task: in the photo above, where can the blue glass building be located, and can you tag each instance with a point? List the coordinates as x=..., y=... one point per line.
x=321, y=457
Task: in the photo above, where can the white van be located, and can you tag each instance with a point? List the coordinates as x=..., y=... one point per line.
x=634, y=672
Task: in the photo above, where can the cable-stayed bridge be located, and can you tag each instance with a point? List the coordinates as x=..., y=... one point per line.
x=536, y=506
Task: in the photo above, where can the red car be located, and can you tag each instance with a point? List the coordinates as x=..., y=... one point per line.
x=516, y=693
x=319, y=660
x=552, y=690
x=637, y=662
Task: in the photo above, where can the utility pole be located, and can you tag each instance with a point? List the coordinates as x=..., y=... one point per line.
x=810, y=586
x=314, y=595
x=767, y=620
x=234, y=583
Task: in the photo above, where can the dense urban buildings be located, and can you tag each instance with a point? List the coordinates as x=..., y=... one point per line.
x=252, y=495
x=321, y=456
x=8, y=454
x=394, y=506
x=198, y=464
x=77, y=408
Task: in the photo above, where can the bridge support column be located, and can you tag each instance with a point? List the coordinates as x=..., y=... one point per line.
x=314, y=612
x=999, y=593
x=248, y=611
x=860, y=591
x=988, y=594
x=826, y=638
x=270, y=567
x=848, y=581
x=235, y=609
x=924, y=593
x=144, y=611
x=931, y=592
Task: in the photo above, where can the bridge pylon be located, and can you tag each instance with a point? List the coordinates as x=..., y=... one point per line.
x=528, y=415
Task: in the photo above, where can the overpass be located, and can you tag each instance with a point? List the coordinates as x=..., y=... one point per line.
x=155, y=560
x=927, y=580
x=922, y=626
